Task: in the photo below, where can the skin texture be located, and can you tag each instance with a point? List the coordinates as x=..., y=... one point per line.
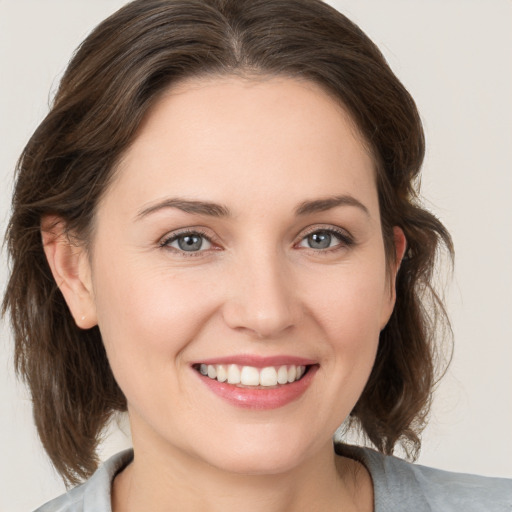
x=260, y=148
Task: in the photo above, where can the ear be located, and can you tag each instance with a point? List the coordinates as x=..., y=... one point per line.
x=400, y=248
x=400, y=243
x=70, y=267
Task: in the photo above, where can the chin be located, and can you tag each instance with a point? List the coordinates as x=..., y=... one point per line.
x=259, y=454
x=259, y=464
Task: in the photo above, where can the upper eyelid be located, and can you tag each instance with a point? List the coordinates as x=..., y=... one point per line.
x=344, y=237
x=324, y=227
x=170, y=237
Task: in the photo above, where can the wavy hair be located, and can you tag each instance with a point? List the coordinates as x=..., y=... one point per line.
x=114, y=77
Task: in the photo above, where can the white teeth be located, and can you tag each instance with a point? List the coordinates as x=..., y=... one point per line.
x=251, y=376
x=222, y=374
x=282, y=375
x=212, y=371
x=292, y=373
x=268, y=376
x=233, y=374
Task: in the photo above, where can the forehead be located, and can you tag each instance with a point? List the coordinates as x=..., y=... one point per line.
x=245, y=138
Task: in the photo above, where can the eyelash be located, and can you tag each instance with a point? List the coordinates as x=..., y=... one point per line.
x=165, y=243
x=346, y=240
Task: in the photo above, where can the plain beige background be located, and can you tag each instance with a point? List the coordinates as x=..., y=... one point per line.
x=455, y=58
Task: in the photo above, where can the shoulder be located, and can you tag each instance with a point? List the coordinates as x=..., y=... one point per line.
x=400, y=485
x=93, y=495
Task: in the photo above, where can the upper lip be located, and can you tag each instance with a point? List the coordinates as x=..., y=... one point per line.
x=258, y=361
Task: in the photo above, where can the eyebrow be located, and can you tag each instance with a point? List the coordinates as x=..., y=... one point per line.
x=218, y=210
x=188, y=206
x=324, y=204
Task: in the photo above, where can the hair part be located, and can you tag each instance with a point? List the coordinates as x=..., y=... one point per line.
x=114, y=78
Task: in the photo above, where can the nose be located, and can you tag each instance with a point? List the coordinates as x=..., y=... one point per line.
x=262, y=298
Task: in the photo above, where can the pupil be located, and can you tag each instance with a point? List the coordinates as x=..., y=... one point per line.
x=190, y=242
x=320, y=240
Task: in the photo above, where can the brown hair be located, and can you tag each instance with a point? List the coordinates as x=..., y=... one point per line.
x=115, y=76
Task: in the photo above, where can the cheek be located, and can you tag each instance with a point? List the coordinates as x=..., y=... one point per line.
x=352, y=302
x=349, y=311
x=147, y=317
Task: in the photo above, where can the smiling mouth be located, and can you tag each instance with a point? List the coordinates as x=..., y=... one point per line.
x=251, y=376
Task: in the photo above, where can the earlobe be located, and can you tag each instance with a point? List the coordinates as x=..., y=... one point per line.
x=71, y=270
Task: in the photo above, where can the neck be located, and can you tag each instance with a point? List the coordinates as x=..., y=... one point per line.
x=169, y=479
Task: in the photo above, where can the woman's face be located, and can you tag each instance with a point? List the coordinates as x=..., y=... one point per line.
x=242, y=238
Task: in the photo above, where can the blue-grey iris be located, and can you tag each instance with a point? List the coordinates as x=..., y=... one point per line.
x=190, y=242
x=320, y=240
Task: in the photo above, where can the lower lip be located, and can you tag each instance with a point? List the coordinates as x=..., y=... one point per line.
x=260, y=398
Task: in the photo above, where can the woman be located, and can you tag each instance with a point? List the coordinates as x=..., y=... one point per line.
x=232, y=251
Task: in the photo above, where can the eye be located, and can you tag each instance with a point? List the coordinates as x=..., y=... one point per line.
x=191, y=241
x=325, y=239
